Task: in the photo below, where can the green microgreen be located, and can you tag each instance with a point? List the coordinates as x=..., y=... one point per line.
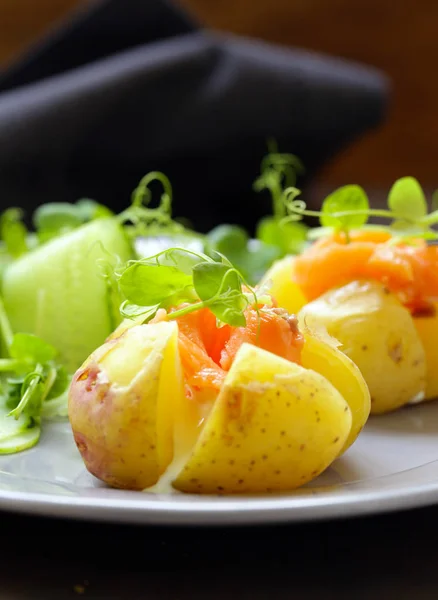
x=56, y=218
x=49, y=220
x=32, y=379
x=277, y=171
x=406, y=200
x=140, y=219
x=13, y=232
x=220, y=287
x=252, y=257
x=280, y=171
x=178, y=277
x=348, y=208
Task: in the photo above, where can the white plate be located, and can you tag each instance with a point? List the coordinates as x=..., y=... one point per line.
x=393, y=466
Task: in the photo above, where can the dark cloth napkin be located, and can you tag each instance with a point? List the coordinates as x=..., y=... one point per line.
x=129, y=86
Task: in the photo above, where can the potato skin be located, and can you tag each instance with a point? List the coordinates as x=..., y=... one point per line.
x=274, y=426
x=379, y=335
x=120, y=406
x=427, y=328
x=286, y=292
x=322, y=354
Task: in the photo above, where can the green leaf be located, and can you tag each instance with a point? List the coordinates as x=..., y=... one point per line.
x=220, y=286
x=29, y=347
x=349, y=198
x=88, y=210
x=256, y=260
x=251, y=257
x=181, y=259
x=228, y=239
x=210, y=279
x=290, y=238
x=12, y=394
x=146, y=285
x=435, y=200
x=132, y=311
x=56, y=217
x=60, y=384
x=31, y=394
x=230, y=309
x=5, y=260
x=407, y=200
x=13, y=232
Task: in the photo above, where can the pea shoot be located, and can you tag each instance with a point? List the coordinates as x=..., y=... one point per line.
x=280, y=171
x=34, y=386
x=178, y=277
x=348, y=208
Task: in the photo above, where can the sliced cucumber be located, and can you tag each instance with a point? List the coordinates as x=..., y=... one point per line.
x=10, y=426
x=17, y=434
x=22, y=441
x=56, y=291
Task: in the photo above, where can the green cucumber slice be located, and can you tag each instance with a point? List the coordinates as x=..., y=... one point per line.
x=22, y=441
x=17, y=434
x=10, y=426
x=56, y=291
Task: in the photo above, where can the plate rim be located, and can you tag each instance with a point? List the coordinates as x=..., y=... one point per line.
x=230, y=511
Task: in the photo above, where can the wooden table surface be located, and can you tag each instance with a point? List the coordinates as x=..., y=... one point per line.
x=398, y=37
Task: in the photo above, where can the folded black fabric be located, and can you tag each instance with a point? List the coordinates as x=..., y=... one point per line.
x=131, y=86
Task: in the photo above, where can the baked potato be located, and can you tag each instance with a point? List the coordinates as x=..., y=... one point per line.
x=378, y=334
x=274, y=425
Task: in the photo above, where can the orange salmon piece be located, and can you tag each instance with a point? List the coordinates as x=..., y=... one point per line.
x=410, y=271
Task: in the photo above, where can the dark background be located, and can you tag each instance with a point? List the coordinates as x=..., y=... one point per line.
x=398, y=37
x=390, y=557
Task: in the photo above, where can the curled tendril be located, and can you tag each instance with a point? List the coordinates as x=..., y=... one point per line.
x=288, y=166
x=283, y=168
x=277, y=170
x=142, y=196
x=295, y=208
x=144, y=219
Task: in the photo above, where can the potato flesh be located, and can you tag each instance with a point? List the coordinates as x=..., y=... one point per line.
x=121, y=406
x=274, y=426
x=379, y=336
x=282, y=286
x=325, y=358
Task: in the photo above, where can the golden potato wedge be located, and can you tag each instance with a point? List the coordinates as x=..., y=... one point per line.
x=285, y=291
x=274, y=426
x=427, y=328
x=122, y=405
x=379, y=336
x=322, y=354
